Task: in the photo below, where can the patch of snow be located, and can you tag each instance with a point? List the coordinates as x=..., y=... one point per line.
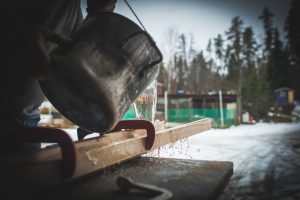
x=233, y=144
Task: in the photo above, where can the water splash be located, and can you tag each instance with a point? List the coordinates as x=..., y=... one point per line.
x=145, y=105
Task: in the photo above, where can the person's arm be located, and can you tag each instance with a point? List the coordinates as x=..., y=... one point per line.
x=79, y=21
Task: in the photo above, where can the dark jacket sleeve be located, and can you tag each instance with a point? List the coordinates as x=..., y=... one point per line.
x=79, y=20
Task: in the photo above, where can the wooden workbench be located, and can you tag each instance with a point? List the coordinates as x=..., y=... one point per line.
x=186, y=179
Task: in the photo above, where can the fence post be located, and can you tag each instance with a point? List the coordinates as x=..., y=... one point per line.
x=166, y=105
x=221, y=108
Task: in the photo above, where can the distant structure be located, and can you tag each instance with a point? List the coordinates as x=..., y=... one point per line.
x=284, y=96
x=50, y=117
x=185, y=108
x=160, y=89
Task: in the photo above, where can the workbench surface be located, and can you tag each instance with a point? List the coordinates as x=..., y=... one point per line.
x=185, y=179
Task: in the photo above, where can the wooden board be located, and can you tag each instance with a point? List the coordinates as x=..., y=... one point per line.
x=43, y=169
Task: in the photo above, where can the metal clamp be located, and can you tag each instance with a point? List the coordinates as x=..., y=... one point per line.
x=138, y=124
x=52, y=135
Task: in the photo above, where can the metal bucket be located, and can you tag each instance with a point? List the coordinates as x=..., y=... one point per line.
x=96, y=78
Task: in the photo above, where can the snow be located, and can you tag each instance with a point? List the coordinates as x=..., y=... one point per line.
x=296, y=110
x=224, y=144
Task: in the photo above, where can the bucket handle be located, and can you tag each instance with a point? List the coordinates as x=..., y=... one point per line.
x=153, y=44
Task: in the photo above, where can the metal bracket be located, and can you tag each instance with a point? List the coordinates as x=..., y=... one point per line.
x=52, y=135
x=138, y=124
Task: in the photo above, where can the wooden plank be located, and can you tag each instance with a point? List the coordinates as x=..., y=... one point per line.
x=100, y=156
x=43, y=168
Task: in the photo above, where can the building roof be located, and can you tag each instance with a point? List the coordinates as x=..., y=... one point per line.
x=283, y=88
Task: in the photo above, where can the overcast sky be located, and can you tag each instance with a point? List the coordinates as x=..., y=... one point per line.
x=203, y=18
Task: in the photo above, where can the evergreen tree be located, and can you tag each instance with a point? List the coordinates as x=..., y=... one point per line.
x=179, y=65
x=172, y=75
x=293, y=29
x=219, y=51
x=249, y=50
x=234, y=63
x=263, y=96
x=197, y=73
x=182, y=63
x=192, y=52
x=163, y=75
x=209, y=47
x=267, y=18
x=202, y=78
x=279, y=67
x=293, y=35
x=250, y=80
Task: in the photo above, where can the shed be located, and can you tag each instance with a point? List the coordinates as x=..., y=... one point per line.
x=284, y=96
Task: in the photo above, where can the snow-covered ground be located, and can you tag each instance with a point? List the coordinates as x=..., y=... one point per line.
x=226, y=144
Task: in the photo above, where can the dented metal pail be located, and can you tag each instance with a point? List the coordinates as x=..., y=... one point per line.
x=96, y=78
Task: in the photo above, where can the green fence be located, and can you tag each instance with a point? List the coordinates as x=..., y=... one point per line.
x=191, y=114
x=185, y=115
